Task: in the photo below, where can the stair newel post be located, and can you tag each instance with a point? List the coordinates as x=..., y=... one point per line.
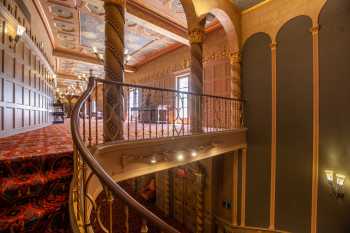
x=144, y=227
x=110, y=200
x=126, y=223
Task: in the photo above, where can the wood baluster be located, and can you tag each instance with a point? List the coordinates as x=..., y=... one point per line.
x=84, y=131
x=110, y=200
x=162, y=111
x=129, y=112
x=96, y=111
x=142, y=114
x=126, y=223
x=144, y=227
x=90, y=113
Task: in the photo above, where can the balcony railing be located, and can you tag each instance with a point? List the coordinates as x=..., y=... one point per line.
x=148, y=113
x=151, y=113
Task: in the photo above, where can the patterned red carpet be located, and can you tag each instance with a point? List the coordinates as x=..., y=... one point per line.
x=35, y=173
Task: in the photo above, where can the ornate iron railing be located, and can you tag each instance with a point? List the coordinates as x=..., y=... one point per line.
x=150, y=113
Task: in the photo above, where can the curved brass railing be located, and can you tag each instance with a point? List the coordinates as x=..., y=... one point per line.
x=172, y=119
x=84, y=161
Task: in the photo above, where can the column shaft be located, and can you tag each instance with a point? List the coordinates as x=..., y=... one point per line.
x=196, y=82
x=113, y=114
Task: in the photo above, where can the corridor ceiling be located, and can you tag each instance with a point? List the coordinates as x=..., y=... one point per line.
x=77, y=26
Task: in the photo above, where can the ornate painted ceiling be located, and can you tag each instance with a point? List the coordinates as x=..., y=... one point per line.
x=78, y=25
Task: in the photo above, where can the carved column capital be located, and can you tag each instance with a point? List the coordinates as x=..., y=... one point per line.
x=196, y=36
x=114, y=2
x=234, y=57
x=273, y=46
x=315, y=29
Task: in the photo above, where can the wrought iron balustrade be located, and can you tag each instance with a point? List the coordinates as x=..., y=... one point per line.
x=149, y=113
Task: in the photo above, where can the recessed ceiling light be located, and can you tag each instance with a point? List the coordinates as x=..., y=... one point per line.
x=153, y=160
x=180, y=157
x=194, y=153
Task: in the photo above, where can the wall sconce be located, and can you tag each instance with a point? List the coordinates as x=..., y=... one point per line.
x=98, y=55
x=336, y=183
x=19, y=33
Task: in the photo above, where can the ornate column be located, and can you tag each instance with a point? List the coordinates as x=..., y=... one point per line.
x=235, y=73
x=113, y=114
x=196, y=37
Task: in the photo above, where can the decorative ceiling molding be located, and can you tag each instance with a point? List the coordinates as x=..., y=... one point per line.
x=159, y=54
x=263, y=2
x=77, y=56
x=41, y=12
x=156, y=22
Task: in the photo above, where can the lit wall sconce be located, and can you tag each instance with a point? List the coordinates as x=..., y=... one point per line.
x=19, y=33
x=98, y=55
x=336, y=183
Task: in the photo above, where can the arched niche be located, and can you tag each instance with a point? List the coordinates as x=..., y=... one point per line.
x=257, y=85
x=334, y=149
x=294, y=149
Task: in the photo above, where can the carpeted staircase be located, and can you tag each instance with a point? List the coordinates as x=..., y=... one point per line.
x=35, y=175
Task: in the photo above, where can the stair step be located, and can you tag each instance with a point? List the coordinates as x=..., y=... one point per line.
x=16, y=189
x=43, y=215
x=15, y=166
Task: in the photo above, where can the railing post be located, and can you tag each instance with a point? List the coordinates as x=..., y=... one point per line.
x=126, y=223
x=144, y=227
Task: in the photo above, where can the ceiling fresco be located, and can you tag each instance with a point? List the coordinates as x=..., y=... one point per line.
x=78, y=26
x=171, y=9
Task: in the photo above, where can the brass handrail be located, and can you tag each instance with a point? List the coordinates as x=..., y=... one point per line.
x=165, y=89
x=103, y=176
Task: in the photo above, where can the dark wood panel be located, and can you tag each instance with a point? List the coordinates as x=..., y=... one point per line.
x=9, y=116
x=256, y=72
x=22, y=98
x=18, y=94
x=8, y=92
x=294, y=126
x=333, y=215
x=18, y=118
x=1, y=118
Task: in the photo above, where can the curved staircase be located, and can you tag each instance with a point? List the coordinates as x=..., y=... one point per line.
x=94, y=188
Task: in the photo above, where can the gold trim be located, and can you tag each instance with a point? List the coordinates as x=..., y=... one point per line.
x=255, y=7
x=244, y=186
x=196, y=36
x=273, y=137
x=235, y=189
x=234, y=58
x=316, y=119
